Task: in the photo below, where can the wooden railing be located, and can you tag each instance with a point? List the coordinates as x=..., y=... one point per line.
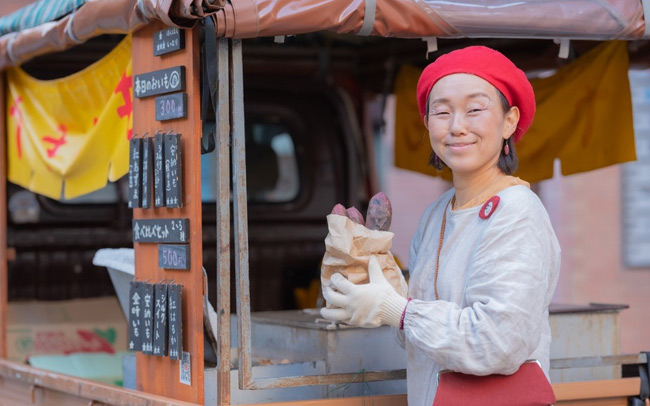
x=22, y=385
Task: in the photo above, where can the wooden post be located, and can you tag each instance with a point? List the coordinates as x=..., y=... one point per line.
x=160, y=375
x=3, y=223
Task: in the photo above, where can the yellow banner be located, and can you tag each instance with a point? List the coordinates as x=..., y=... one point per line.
x=584, y=118
x=66, y=137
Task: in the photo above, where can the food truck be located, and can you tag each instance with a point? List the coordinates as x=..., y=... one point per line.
x=189, y=155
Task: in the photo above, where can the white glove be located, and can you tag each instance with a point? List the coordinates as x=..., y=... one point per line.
x=367, y=305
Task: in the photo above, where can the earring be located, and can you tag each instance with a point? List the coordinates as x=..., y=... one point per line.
x=436, y=162
x=506, y=149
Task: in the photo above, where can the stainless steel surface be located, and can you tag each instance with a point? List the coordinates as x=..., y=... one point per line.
x=591, y=333
x=328, y=379
x=223, y=221
x=248, y=397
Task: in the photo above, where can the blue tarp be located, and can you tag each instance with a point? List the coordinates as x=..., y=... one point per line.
x=38, y=13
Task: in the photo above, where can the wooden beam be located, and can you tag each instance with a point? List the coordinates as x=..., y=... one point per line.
x=3, y=223
x=19, y=381
x=602, y=389
x=160, y=375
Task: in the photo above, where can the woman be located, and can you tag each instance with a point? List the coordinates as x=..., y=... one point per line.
x=484, y=261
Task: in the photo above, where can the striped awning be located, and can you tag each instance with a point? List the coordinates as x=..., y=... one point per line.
x=37, y=13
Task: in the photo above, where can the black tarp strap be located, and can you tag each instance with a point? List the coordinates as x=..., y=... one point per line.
x=208, y=86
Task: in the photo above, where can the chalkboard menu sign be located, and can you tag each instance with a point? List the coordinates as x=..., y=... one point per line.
x=147, y=317
x=173, y=256
x=161, y=230
x=135, y=173
x=173, y=171
x=171, y=106
x=160, y=321
x=159, y=82
x=174, y=299
x=168, y=40
x=147, y=169
x=135, y=319
x=159, y=170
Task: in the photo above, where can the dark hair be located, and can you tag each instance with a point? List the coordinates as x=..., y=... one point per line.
x=508, y=164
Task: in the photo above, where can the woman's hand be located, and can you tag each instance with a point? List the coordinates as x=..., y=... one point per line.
x=368, y=305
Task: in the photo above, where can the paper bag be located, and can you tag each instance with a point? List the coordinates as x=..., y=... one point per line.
x=348, y=248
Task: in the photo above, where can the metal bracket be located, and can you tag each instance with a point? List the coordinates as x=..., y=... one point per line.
x=432, y=45
x=565, y=47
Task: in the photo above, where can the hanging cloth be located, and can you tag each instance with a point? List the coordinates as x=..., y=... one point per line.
x=67, y=137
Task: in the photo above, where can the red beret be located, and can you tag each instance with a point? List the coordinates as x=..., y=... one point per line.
x=489, y=65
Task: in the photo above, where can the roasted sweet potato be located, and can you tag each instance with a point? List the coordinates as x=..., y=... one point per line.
x=379, y=212
x=355, y=215
x=340, y=210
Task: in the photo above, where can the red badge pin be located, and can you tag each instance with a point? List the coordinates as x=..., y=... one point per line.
x=489, y=207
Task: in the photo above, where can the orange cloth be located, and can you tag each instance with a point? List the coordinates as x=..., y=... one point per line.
x=584, y=118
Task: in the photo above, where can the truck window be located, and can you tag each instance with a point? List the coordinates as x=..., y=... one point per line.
x=271, y=165
x=107, y=194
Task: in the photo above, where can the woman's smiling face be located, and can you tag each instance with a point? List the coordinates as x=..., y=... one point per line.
x=467, y=124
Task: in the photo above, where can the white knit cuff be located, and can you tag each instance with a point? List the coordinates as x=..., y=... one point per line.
x=392, y=309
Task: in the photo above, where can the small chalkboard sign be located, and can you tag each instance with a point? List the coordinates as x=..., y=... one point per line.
x=147, y=317
x=135, y=173
x=168, y=40
x=171, y=106
x=135, y=319
x=161, y=230
x=175, y=305
x=160, y=321
x=173, y=256
x=159, y=170
x=173, y=171
x=147, y=169
x=159, y=82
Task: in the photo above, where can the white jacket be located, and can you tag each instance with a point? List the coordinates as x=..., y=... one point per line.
x=496, y=280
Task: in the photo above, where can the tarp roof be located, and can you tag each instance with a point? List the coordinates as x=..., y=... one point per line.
x=37, y=13
x=556, y=19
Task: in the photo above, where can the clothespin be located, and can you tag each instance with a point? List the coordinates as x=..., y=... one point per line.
x=432, y=45
x=565, y=46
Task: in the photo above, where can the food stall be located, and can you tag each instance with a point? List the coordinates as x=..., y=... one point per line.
x=175, y=47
